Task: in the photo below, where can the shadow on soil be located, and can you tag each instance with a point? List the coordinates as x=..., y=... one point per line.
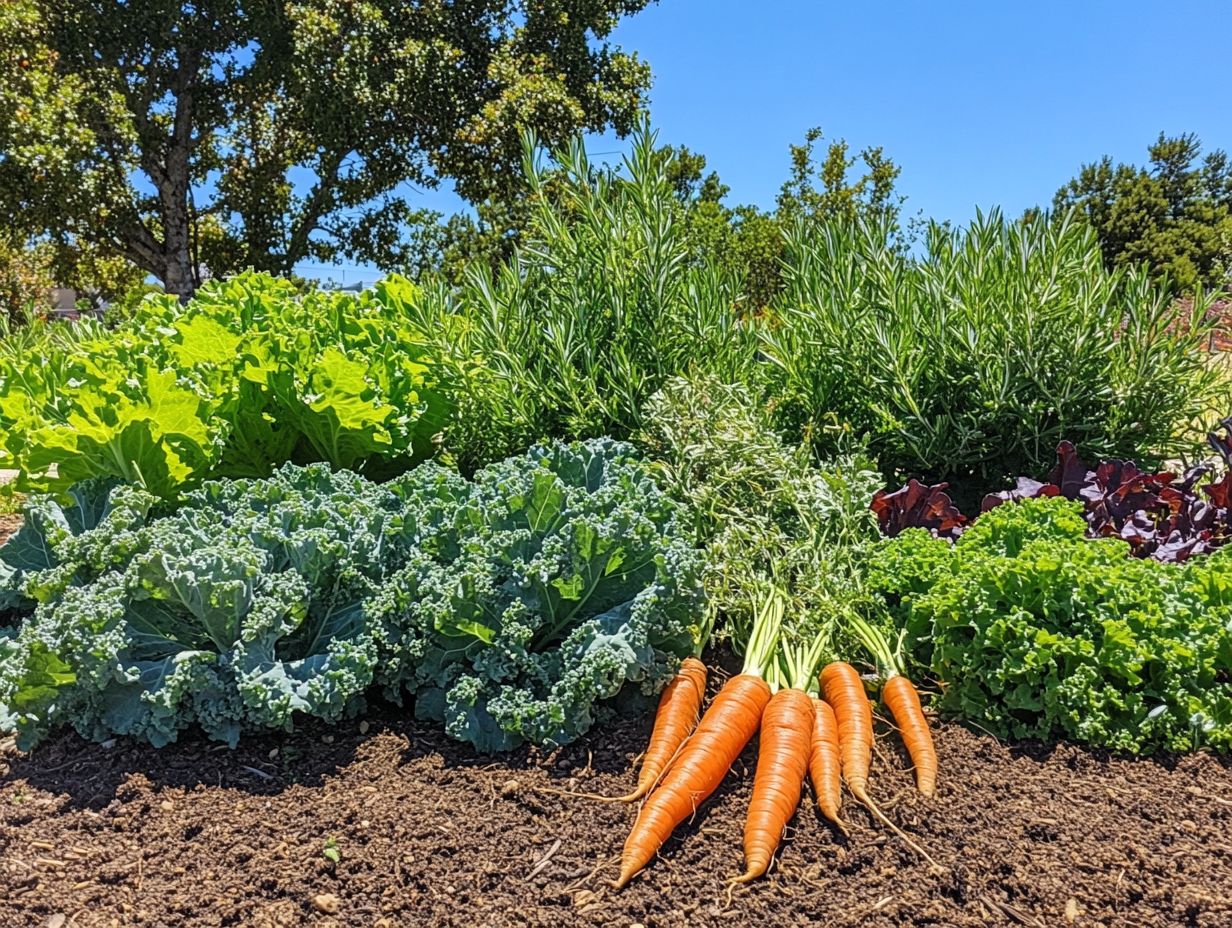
x=90, y=775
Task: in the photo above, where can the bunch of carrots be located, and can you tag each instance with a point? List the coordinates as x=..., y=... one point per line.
x=820, y=731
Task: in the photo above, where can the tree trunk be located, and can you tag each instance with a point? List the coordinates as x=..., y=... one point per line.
x=178, y=278
x=181, y=276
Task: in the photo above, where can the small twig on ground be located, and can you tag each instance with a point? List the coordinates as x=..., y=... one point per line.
x=544, y=860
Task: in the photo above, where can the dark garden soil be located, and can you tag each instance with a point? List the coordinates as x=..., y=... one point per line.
x=428, y=834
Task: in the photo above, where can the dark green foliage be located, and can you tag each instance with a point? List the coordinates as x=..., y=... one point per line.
x=229, y=135
x=1174, y=215
x=750, y=243
x=600, y=304
x=973, y=362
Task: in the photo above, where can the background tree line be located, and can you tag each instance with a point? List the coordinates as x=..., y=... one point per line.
x=153, y=138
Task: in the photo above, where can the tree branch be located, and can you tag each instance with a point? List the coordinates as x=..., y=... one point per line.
x=314, y=206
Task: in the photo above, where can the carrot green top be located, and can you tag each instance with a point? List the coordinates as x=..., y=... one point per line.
x=889, y=660
x=759, y=652
x=798, y=663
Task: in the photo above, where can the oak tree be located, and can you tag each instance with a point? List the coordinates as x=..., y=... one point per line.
x=233, y=133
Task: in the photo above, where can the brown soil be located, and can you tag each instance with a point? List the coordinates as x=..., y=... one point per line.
x=428, y=834
x=9, y=524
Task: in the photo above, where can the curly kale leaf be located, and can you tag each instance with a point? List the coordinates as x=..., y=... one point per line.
x=241, y=610
x=564, y=578
x=67, y=541
x=511, y=606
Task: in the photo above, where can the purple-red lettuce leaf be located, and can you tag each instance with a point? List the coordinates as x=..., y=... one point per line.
x=918, y=506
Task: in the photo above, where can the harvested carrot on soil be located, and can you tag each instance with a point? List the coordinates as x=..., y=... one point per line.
x=824, y=763
x=730, y=721
x=844, y=691
x=903, y=702
x=679, y=708
x=782, y=762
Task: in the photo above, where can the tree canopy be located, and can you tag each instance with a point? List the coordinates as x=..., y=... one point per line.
x=750, y=240
x=234, y=133
x=1174, y=215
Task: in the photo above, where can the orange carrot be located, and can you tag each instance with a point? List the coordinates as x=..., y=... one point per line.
x=703, y=761
x=782, y=762
x=729, y=723
x=844, y=691
x=679, y=707
x=824, y=763
x=903, y=702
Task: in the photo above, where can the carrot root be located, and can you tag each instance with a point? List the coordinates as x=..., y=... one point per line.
x=782, y=763
x=844, y=691
x=868, y=803
x=825, y=763
x=675, y=719
x=730, y=721
x=903, y=702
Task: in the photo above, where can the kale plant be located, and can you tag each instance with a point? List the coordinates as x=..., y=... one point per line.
x=240, y=609
x=508, y=606
x=561, y=579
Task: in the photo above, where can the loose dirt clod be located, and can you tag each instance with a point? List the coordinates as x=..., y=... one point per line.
x=326, y=903
x=1071, y=910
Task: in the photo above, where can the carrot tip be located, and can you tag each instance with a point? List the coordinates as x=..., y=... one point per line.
x=839, y=824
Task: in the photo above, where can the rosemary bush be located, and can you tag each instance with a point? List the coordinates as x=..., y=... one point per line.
x=599, y=306
x=974, y=361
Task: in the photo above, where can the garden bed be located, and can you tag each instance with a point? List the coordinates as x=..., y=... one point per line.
x=428, y=833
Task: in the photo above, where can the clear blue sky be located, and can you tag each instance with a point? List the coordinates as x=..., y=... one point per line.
x=981, y=104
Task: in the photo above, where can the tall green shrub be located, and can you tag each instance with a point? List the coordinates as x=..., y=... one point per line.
x=974, y=360
x=598, y=307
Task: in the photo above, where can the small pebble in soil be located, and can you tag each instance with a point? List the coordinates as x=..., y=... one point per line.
x=510, y=788
x=326, y=903
x=327, y=739
x=363, y=727
x=166, y=805
x=273, y=753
